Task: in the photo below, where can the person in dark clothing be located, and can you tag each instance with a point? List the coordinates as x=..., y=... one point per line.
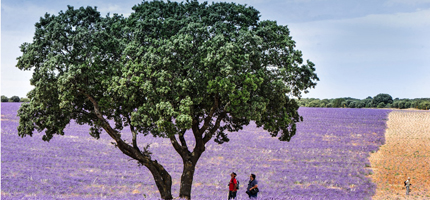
x=252, y=189
x=232, y=187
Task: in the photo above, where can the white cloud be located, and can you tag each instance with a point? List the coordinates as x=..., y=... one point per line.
x=368, y=55
x=416, y=19
x=369, y=32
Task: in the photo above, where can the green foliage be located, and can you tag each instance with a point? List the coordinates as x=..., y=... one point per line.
x=213, y=58
x=425, y=105
x=407, y=104
x=385, y=98
x=401, y=104
x=14, y=99
x=325, y=102
x=381, y=105
x=344, y=104
x=314, y=103
x=337, y=103
x=361, y=104
x=347, y=102
x=153, y=67
x=4, y=98
x=72, y=56
x=24, y=99
x=166, y=68
x=395, y=104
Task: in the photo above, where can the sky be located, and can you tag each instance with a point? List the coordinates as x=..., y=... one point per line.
x=359, y=48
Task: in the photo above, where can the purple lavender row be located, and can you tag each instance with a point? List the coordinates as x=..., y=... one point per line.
x=326, y=159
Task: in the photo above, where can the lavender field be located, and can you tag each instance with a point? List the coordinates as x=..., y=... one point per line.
x=326, y=159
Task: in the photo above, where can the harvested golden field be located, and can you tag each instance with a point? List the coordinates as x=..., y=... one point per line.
x=406, y=153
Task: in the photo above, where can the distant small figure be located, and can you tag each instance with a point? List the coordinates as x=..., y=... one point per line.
x=232, y=186
x=252, y=189
x=408, y=185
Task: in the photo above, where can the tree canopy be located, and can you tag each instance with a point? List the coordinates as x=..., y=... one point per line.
x=4, y=98
x=382, y=98
x=15, y=99
x=167, y=68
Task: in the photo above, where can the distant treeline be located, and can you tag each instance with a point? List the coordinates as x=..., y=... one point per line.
x=13, y=99
x=378, y=101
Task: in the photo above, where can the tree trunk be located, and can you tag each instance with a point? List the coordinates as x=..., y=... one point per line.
x=163, y=180
x=187, y=179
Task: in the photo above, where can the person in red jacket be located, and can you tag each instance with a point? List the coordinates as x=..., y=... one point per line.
x=232, y=186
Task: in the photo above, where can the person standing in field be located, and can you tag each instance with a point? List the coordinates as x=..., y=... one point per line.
x=252, y=189
x=408, y=185
x=232, y=186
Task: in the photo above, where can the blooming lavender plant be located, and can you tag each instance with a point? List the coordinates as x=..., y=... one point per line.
x=327, y=159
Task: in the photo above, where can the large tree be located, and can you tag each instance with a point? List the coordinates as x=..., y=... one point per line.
x=167, y=68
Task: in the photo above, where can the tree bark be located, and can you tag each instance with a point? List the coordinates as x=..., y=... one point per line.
x=187, y=180
x=163, y=180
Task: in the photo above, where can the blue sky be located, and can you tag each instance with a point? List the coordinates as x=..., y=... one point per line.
x=360, y=48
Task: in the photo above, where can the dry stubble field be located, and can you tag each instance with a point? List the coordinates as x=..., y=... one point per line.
x=406, y=153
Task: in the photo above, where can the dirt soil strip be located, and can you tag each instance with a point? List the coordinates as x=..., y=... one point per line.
x=406, y=153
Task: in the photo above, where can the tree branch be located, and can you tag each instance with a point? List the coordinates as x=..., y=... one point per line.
x=182, y=139
x=212, y=131
x=195, y=125
x=134, y=134
x=180, y=149
x=208, y=118
x=114, y=134
x=133, y=152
